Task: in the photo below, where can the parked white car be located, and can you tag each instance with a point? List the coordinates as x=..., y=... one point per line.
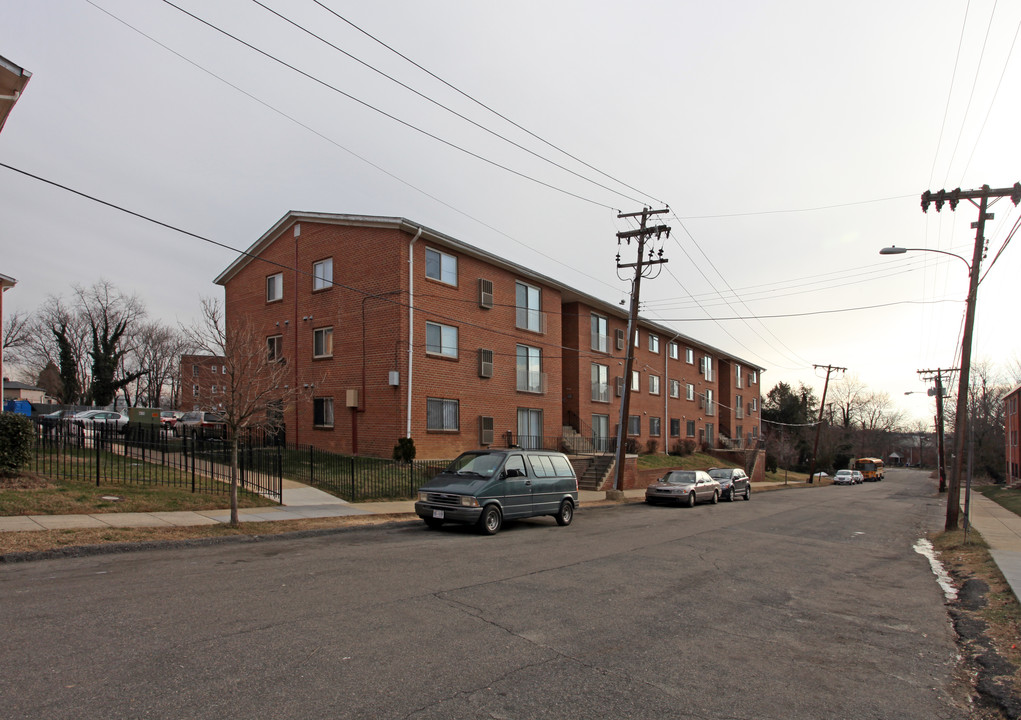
x=844, y=477
x=97, y=418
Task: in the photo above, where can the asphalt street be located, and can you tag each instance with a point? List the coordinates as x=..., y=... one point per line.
x=804, y=603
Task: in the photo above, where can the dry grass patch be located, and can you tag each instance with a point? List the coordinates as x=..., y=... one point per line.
x=44, y=540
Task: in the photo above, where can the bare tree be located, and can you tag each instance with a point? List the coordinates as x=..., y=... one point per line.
x=848, y=394
x=155, y=359
x=17, y=335
x=255, y=389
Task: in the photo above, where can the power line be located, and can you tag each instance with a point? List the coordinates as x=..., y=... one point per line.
x=483, y=105
x=387, y=115
x=349, y=151
x=950, y=92
x=439, y=104
x=797, y=210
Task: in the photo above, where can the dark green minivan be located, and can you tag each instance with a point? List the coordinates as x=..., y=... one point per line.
x=486, y=487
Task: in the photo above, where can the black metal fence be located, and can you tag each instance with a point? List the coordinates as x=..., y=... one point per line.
x=356, y=478
x=130, y=455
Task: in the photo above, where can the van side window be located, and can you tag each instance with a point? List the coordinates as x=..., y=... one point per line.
x=541, y=466
x=514, y=462
x=562, y=466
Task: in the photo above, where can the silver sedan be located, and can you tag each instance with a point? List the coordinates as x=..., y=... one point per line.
x=684, y=486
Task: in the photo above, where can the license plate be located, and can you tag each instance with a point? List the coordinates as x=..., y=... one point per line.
x=438, y=514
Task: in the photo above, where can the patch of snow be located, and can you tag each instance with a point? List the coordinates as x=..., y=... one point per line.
x=924, y=547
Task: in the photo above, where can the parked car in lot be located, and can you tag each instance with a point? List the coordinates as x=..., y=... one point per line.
x=208, y=424
x=844, y=477
x=683, y=486
x=56, y=418
x=169, y=418
x=486, y=487
x=734, y=483
x=859, y=477
x=100, y=418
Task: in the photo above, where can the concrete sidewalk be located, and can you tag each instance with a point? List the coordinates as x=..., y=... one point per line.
x=1001, y=529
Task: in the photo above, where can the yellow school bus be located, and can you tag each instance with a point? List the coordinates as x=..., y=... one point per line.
x=871, y=468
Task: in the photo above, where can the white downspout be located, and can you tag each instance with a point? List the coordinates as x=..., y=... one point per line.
x=411, y=319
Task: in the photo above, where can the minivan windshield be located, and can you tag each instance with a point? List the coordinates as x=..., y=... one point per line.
x=481, y=464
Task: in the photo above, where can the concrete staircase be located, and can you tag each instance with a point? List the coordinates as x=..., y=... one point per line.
x=593, y=470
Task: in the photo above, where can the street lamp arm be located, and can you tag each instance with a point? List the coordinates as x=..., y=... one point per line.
x=894, y=250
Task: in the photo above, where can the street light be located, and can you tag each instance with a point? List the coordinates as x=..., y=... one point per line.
x=961, y=418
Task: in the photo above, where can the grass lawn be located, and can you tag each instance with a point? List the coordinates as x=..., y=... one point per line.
x=33, y=494
x=1010, y=499
x=695, y=461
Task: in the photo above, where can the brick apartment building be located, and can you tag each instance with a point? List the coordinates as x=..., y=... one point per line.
x=1011, y=427
x=392, y=330
x=203, y=382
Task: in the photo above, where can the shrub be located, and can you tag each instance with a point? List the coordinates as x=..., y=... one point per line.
x=651, y=447
x=631, y=446
x=771, y=463
x=16, y=434
x=404, y=450
x=683, y=447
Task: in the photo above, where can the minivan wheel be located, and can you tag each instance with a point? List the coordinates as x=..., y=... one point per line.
x=691, y=499
x=491, y=520
x=565, y=514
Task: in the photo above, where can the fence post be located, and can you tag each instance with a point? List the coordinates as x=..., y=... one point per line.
x=311, y=465
x=280, y=474
x=192, y=460
x=98, y=445
x=241, y=464
x=353, y=498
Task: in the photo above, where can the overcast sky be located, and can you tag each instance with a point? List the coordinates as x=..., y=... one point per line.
x=791, y=141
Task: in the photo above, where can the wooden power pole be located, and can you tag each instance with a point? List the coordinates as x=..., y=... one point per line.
x=818, y=425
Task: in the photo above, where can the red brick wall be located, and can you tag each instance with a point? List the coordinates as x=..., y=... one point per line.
x=197, y=373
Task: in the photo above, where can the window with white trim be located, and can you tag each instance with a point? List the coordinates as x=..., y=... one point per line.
x=654, y=343
x=528, y=315
x=673, y=350
x=322, y=274
x=529, y=369
x=600, y=333
x=274, y=287
x=689, y=356
x=441, y=339
x=322, y=342
x=441, y=415
x=600, y=383
x=675, y=389
x=653, y=384
x=322, y=412
x=440, y=266
x=636, y=381
x=275, y=348
x=690, y=392
x=654, y=423
x=634, y=425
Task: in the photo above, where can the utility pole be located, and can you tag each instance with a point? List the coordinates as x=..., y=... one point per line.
x=642, y=234
x=941, y=463
x=818, y=425
x=953, y=197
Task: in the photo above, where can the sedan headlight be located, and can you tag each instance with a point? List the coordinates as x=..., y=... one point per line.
x=469, y=501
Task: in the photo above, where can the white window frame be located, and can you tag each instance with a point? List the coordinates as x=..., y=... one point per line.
x=448, y=409
x=327, y=412
x=689, y=356
x=675, y=389
x=275, y=287
x=213, y=368
x=690, y=392
x=444, y=268
x=634, y=425
x=600, y=383
x=447, y=340
x=673, y=350
x=274, y=348
x=654, y=343
x=528, y=366
x=636, y=381
x=527, y=317
x=322, y=274
x=322, y=342
x=600, y=333
x=653, y=384
x=655, y=426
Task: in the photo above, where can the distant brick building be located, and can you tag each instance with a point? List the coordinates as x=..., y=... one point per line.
x=394, y=330
x=203, y=382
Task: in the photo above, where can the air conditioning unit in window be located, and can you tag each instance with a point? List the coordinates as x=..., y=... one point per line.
x=485, y=293
x=352, y=398
x=485, y=430
x=485, y=363
x=619, y=387
x=621, y=338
